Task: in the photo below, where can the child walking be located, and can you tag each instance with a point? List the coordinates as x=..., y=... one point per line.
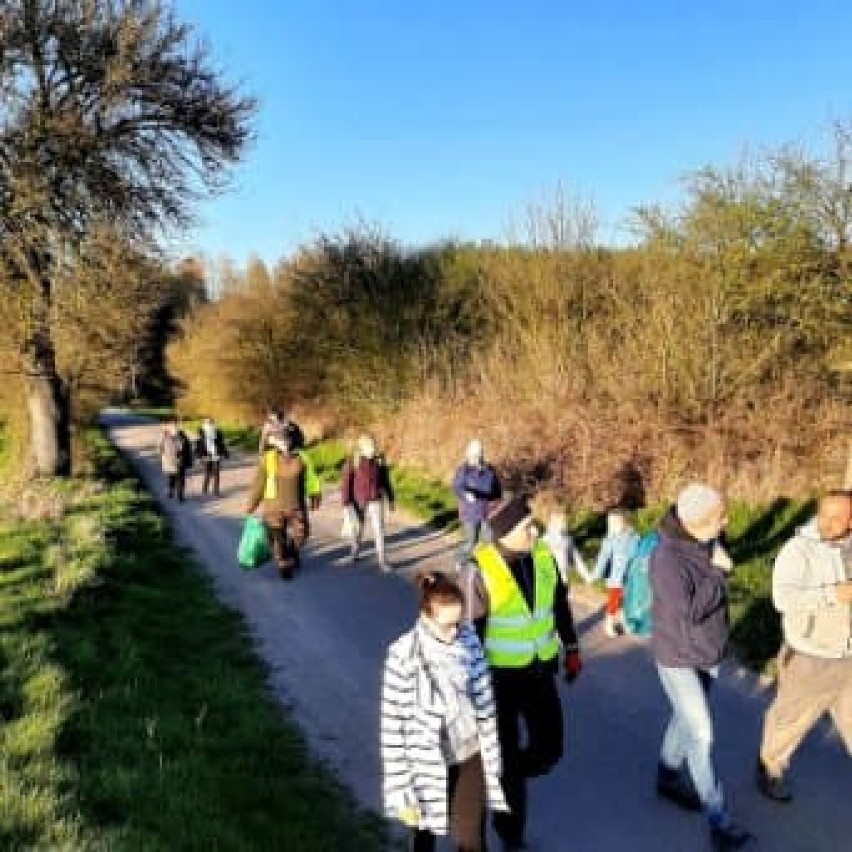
x=617, y=549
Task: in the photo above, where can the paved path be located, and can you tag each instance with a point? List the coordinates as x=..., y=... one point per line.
x=323, y=638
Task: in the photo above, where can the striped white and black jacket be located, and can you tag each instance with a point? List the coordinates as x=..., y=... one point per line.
x=413, y=763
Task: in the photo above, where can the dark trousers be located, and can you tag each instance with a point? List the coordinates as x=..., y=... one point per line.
x=466, y=799
x=211, y=476
x=288, y=531
x=525, y=696
x=176, y=484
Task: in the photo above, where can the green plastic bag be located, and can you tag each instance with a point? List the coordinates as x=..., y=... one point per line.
x=254, y=544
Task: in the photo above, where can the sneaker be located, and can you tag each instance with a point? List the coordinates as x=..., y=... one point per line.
x=774, y=787
x=729, y=836
x=676, y=786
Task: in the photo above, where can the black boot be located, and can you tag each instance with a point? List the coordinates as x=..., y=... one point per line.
x=774, y=787
x=676, y=785
x=728, y=837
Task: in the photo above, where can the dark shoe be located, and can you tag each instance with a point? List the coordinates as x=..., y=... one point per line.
x=772, y=786
x=676, y=786
x=730, y=836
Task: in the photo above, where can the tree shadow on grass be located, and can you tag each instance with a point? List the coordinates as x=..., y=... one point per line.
x=769, y=529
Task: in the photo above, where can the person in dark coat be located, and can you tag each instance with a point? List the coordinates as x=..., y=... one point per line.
x=690, y=634
x=476, y=487
x=211, y=449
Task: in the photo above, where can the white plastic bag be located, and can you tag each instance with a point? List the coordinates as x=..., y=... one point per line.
x=348, y=528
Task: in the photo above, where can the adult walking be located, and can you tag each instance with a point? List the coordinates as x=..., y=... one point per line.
x=278, y=424
x=175, y=458
x=522, y=614
x=365, y=487
x=812, y=589
x=285, y=484
x=211, y=449
x=439, y=746
x=476, y=487
x=690, y=618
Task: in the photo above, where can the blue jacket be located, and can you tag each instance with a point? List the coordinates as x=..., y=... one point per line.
x=482, y=484
x=614, y=557
x=690, y=608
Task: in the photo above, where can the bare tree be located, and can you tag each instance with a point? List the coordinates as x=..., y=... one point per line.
x=110, y=111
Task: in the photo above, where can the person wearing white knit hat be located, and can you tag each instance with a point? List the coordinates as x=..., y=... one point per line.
x=690, y=634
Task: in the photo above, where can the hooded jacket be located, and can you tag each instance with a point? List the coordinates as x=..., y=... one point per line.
x=804, y=577
x=690, y=608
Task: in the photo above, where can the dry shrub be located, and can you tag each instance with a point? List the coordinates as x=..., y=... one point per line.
x=582, y=452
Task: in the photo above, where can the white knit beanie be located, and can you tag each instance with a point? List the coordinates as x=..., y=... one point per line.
x=696, y=502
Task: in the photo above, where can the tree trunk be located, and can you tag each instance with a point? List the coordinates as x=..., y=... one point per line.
x=48, y=399
x=50, y=422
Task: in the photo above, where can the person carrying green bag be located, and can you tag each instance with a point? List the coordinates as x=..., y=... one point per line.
x=285, y=484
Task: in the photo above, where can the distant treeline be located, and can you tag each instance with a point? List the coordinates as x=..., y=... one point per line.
x=717, y=346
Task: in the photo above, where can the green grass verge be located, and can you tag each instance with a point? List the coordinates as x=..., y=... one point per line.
x=136, y=715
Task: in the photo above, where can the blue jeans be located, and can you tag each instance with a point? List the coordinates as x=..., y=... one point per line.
x=474, y=531
x=689, y=735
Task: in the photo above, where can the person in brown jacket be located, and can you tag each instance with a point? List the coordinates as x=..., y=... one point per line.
x=284, y=485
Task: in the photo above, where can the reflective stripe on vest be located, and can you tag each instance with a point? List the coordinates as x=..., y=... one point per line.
x=514, y=635
x=270, y=466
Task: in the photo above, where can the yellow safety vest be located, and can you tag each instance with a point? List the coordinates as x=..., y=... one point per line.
x=515, y=635
x=270, y=466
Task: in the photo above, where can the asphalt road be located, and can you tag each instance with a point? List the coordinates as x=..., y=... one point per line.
x=323, y=638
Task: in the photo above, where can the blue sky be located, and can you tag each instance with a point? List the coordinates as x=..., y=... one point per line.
x=439, y=119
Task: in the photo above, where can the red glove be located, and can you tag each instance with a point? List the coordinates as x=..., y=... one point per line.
x=573, y=665
x=315, y=502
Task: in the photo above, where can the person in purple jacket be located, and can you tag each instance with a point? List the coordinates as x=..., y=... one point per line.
x=476, y=487
x=691, y=628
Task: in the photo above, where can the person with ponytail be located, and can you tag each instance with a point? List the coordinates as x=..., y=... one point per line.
x=440, y=752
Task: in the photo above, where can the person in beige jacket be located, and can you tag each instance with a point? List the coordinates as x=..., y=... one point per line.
x=812, y=589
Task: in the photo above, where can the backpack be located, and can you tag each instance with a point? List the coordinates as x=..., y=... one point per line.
x=637, y=587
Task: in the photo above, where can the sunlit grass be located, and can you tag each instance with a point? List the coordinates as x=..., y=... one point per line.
x=135, y=713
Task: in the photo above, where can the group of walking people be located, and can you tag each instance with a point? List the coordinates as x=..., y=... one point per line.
x=481, y=660
x=470, y=708
x=178, y=454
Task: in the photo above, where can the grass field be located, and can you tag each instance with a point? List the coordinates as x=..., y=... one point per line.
x=135, y=713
